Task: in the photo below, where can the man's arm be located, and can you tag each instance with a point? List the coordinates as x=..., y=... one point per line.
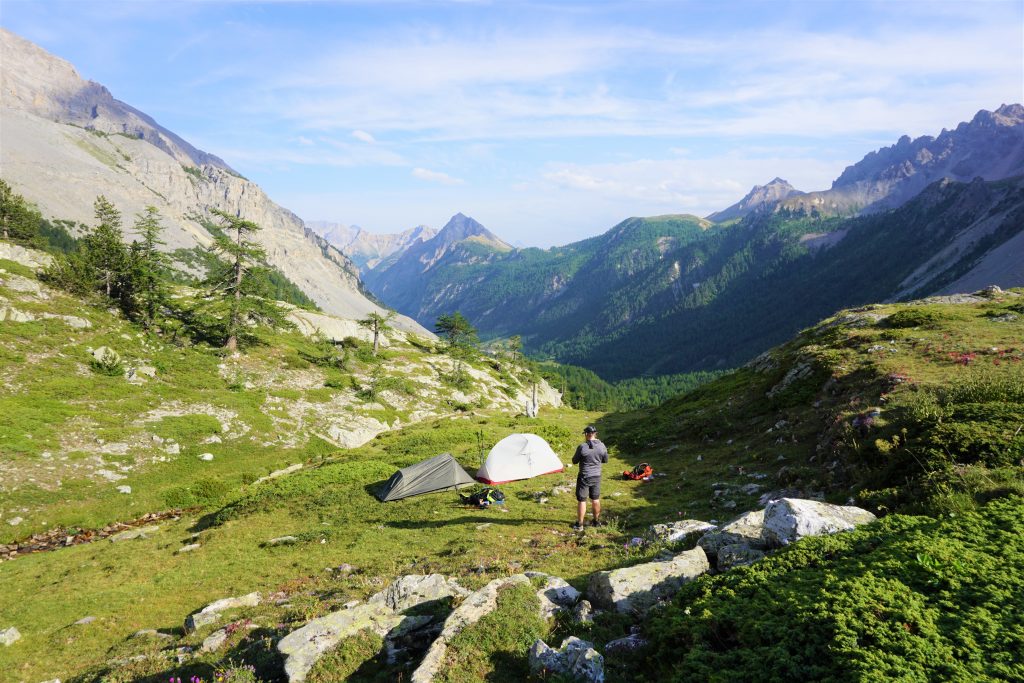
x=577, y=456
x=604, y=453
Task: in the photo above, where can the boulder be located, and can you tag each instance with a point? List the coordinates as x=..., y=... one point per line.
x=279, y=473
x=583, y=612
x=213, y=641
x=13, y=315
x=131, y=534
x=625, y=645
x=187, y=548
x=641, y=586
x=416, y=589
x=282, y=540
x=473, y=608
x=555, y=595
x=791, y=519
x=737, y=555
x=685, y=531
x=105, y=354
x=746, y=528
x=206, y=457
x=9, y=636
x=125, y=489
x=575, y=659
x=211, y=613
x=303, y=647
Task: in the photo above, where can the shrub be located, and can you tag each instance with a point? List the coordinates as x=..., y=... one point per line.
x=912, y=317
x=908, y=598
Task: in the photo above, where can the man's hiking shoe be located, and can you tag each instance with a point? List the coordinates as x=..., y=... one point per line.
x=599, y=522
x=577, y=527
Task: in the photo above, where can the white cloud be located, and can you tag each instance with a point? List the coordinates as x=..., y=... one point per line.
x=436, y=177
x=363, y=136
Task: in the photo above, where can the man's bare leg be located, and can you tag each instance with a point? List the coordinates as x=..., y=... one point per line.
x=581, y=512
x=596, y=503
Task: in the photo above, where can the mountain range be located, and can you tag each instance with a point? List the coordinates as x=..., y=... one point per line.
x=367, y=249
x=60, y=131
x=678, y=293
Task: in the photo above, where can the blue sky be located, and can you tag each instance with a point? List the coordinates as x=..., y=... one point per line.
x=546, y=121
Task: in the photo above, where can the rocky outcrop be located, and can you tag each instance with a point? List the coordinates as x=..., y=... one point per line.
x=637, y=588
x=576, y=659
x=415, y=589
x=30, y=258
x=472, y=609
x=790, y=519
x=303, y=647
x=746, y=530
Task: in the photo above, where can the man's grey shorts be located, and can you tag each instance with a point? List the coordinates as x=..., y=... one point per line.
x=588, y=488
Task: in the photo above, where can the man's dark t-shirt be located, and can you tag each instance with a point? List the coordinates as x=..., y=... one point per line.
x=589, y=456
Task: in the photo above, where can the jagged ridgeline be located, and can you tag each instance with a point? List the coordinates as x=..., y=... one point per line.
x=673, y=294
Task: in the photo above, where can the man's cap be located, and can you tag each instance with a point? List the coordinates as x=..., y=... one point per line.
x=589, y=429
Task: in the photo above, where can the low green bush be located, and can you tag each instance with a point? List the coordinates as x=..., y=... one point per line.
x=907, y=598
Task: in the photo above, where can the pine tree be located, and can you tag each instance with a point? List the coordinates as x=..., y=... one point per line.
x=460, y=335
x=515, y=345
x=239, y=285
x=18, y=221
x=148, y=265
x=378, y=324
x=104, y=249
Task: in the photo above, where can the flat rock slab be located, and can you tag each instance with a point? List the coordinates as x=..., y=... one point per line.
x=684, y=531
x=641, y=586
x=131, y=534
x=472, y=609
x=211, y=613
x=747, y=529
x=303, y=647
x=415, y=589
x=790, y=519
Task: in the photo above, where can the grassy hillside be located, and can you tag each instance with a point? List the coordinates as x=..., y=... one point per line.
x=945, y=378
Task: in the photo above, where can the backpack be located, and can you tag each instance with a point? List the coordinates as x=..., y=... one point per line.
x=483, y=498
x=641, y=471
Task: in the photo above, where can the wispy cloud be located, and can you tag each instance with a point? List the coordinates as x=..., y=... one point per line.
x=435, y=177
x=363, y=136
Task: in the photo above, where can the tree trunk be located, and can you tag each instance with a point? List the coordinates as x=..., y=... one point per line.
x=376, y=338
x=232, y=343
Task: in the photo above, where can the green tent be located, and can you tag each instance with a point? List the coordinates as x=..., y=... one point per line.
x=436, y=474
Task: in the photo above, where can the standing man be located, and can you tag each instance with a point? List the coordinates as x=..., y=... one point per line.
x=590, y=455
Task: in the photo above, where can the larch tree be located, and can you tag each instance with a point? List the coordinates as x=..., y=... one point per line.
x=378, y=324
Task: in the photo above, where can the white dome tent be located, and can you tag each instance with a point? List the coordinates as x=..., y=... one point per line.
x=518, y=456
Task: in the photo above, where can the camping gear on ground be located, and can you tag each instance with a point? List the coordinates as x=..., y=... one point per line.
x=641, y=471
x=518, y=456
x=484, y=498
x=436, y=474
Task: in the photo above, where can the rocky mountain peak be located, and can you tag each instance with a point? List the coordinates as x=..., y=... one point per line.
x=42, y=84
x=461, y=227
x=759, y=198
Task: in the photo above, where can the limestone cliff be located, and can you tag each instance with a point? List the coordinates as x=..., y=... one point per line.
x=66, y=140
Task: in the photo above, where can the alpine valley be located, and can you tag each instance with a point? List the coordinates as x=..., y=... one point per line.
x=204, y=399
x=671, y=294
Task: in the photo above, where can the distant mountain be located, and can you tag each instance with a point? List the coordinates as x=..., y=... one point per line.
x=367, y=249
x=990, y=147
x=401, y=278
x=677, y=293
x=760, y=198
x=66, y=140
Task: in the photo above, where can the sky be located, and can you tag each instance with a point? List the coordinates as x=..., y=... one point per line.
x=548, y=122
